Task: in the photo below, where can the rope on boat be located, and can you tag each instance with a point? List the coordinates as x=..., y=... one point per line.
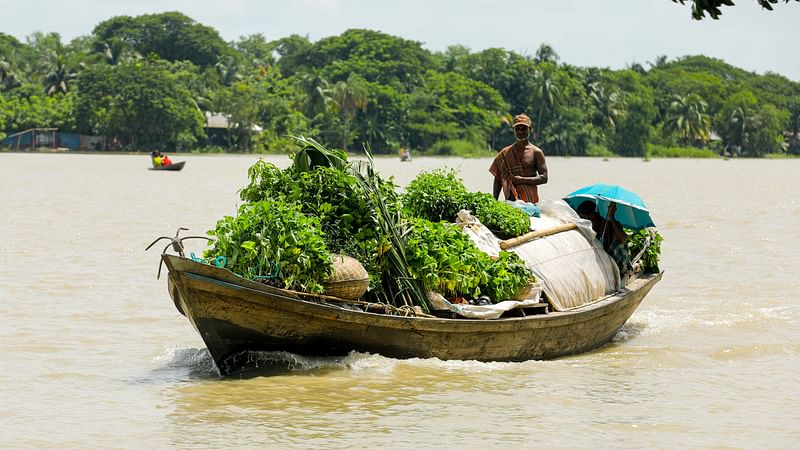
x=272, y=275
x=219, y=261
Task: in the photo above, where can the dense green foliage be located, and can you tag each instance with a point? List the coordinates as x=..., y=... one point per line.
x=323, y=204
x=449, y=263
x=257, y=244
x=440, y=194
x=143, y=104
x=506, y=276
x=500, y=217
x=651, y=253
x=148, y=82
x=446, y=259
x=398, y=285
x=443, y=256
x=333, y=197
x=436, y=195
x=172, y=36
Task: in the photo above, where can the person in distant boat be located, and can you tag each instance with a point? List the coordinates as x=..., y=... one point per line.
x=165, y=161
x=519, y=168
x=405, y=154
x=156, y=157
x=610, y=232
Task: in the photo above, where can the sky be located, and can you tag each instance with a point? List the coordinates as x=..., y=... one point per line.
x=586, y=33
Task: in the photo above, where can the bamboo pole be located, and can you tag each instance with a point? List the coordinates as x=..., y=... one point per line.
x=368, y=305
x=513, y=242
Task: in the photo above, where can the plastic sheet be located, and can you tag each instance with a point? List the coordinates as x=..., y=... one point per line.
x=492, y=311
x=571, y=266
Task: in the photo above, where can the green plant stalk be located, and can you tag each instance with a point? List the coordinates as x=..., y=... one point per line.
x=399, y=286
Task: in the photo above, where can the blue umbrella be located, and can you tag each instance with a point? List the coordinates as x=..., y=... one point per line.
x=631, y=211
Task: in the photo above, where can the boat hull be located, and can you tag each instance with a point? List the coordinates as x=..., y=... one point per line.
x=174, y=167
x=234, y=316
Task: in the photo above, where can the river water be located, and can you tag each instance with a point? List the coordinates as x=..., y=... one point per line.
x=94, y=354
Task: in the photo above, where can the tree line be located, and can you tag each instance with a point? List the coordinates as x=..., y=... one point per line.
x=149, y=82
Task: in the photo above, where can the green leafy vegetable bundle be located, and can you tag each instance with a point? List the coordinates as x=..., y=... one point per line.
x=500, y=217
x=436, y=195
x=449, y=263
x=506, y=276
x=293, y=220
x=331, y=193
x=274, y=240
x=651, y=253
x=440, y=194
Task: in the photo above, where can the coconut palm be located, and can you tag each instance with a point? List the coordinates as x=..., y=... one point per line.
x=545, y=53
x=11, y=69
x=547, y=92
x=113, y=51
x=687, y=118
x=318, y=93
x=504, y=121
x=636, y=67
x=739, y=122
x=8, y=78
x=609, y=105
x=661, y=61
x=349, y=96
x=228, y=69
x=59, y=76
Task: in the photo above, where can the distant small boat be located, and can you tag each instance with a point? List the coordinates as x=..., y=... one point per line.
x=174, y=166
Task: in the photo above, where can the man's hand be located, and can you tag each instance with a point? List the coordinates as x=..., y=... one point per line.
x=519, y=179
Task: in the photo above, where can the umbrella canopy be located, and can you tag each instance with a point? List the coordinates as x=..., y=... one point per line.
x=631, y=211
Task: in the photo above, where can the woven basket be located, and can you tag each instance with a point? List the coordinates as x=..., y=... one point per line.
x=529, y=291
x=349, y=281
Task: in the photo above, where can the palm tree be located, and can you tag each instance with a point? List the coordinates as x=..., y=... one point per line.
x=609, y=106
x=374, y=132
x=350, y=96
x=18, y=68
x=739, y=122
x=545, y=53
x=687, y=118
x=8, y=77
x=636, y=67
x=5, y=68
x=59, y=76
x=228, y=70
x=113, y=51
x=504, y=121
x=547, y=92
x=318, y=93
x=661, y=61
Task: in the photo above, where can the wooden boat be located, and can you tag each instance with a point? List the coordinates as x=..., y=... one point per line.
x=174, y=166
x=235, y=316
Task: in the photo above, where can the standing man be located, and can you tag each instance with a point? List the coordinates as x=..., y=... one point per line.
x=519, y=168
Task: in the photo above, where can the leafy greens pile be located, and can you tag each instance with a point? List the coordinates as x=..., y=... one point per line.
x=648, y=243
x=294, y=219
x=439, y=195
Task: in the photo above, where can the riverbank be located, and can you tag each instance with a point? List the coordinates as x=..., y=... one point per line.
x=662, y=153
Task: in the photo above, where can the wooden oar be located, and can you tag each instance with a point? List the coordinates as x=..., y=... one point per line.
x=513, y=242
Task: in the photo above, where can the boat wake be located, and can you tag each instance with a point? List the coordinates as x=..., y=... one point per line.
x=186, y=363
x=630, y=330
x=198, y=363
